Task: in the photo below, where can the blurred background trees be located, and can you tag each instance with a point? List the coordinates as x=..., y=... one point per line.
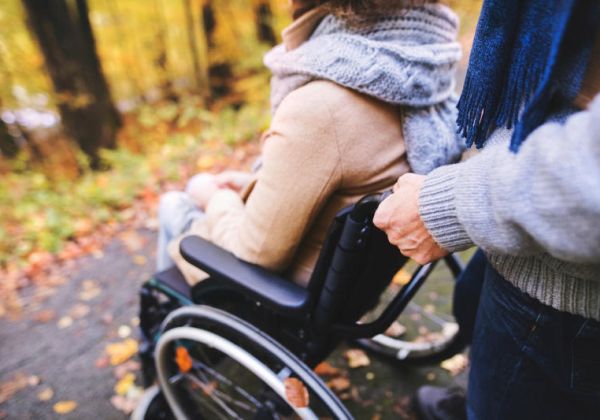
x=148, y=91
x=75, y=67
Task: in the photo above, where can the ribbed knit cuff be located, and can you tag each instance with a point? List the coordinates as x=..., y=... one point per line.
x=438, y=212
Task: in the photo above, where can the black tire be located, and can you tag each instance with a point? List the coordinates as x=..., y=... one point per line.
x=249, y=374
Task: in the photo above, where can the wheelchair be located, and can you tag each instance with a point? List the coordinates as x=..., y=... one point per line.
x=243, y=343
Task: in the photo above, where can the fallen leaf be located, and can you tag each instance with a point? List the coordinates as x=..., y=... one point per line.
x=124, y=331
x=135, y=321
x=123, y=385
x=395, y=330
x=456, y=364
x=430, y=376
x=121, y=352
x=132, y=240
x=45, y=394
x=339, y=384
x=64, y=407
x=102, y=362
x=90, y=290
x=129, y=366
x=183, y=359
x=45, y=316
x=357, y=358
x=11, y=387
x=79, y=310
x=296, y=393
x=65, y=322
x=33, y=380
x=139, y=259
x=370, y=376
x=402, y=278
x=325, y=369
x=429, y=308
x=123, y=404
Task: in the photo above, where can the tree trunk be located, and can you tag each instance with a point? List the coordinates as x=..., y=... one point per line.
x=264, y=28
x=64, y=34
x=193, y=44
x=8, y=144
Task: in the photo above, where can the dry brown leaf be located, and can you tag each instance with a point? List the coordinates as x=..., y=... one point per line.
x=64, y=407
x=11, y=387
x=325, y=369
x=357, y=358
x=45, y=394
x=45, y=316
x=395, y=330
x=339, y=384
x=456, y=364
x=129, y=366
x=121, y=352
x=296, y=393
x=89, y=290
x=124, y=404
x=79, y=310
x=65, y=322
x=401, y=278
x=102, y=362
x=132, y=240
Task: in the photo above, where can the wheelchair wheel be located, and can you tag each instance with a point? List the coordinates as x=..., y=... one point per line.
x=428, y=332
x=214, y=365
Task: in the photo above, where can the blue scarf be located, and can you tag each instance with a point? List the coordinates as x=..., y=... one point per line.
x=526, y=54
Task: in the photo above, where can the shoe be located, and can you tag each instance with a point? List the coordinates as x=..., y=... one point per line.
x=437, y=403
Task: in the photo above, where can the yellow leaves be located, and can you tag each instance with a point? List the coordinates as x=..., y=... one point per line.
x=121, y=352
x=64, y=407
x=357, y=358
x=296, y=393
x=139, y=259
x=124, y=384
x=45, y=394
x=455, y=364
x=401, y=278
x=183, y=359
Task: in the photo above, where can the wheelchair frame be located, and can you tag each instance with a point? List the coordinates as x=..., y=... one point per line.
x=355, y=265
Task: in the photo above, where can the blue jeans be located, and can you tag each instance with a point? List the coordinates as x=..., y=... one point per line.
x=530, y=361
x=176, y=213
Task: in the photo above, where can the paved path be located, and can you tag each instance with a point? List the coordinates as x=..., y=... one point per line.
x=65, y=358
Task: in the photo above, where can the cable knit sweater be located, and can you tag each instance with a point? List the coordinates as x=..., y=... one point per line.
x=536, y=214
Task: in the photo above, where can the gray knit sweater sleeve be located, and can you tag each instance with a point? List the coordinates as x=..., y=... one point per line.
x=544, y=199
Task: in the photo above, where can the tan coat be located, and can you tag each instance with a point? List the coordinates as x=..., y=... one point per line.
x=326, y=148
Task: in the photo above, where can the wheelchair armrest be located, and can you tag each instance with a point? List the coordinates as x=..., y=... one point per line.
x=267, y=287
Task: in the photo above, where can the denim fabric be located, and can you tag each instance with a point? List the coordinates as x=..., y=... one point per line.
x=466, y=294
x=176, y=213
x=530, y=361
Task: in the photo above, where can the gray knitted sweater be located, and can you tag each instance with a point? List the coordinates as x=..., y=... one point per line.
x=536, y=213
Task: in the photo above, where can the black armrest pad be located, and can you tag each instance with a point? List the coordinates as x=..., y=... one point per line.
x=267, y=287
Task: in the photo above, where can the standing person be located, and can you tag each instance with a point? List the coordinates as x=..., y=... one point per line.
x=531, y=201
x=360, y=93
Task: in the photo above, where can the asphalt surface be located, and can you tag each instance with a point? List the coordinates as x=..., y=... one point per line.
x=65, y=357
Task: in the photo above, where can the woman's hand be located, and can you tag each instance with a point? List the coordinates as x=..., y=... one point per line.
x=201, y=188
x=234, y=180
x=398, y=216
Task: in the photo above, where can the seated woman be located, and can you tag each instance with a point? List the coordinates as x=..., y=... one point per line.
x=362, y=92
